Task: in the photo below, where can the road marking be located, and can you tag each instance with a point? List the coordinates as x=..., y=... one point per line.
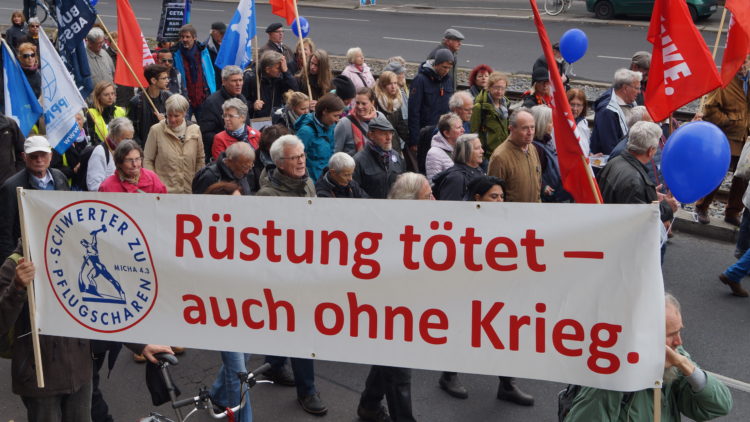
x=208, y=10
x=115, y=17
x=496, y=29
x=430, y=41
x=615, y=58
x=338, y=19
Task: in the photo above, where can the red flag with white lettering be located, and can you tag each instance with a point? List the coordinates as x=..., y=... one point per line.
x=285, y=9
x=738, y=40
x=575, y=171
x=133, y=48
x=682, y=68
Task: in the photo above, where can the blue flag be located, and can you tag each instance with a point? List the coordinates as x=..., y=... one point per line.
x=75, y=18
x=20, y=102
x=236, y=47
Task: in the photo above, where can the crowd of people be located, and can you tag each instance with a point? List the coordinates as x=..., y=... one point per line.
x=286, y=126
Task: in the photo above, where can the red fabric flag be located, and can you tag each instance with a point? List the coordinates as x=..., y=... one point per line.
x=738, y=40
x=131, y=44
x=682, y=68
x=285, y=9
x=575, y=171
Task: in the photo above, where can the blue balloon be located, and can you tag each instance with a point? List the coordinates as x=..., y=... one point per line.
x=695, y=160
x=305, y=26
x=93, y=2
x=573, y=45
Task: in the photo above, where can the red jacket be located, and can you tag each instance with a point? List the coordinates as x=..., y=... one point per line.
x=149, y=182
x=223, y=140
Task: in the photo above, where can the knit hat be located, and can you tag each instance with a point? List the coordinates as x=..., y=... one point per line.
x=443, y=55
x=395, y=67
x=344, y=87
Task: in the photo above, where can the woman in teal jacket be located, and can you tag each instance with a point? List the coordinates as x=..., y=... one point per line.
x=316, y=132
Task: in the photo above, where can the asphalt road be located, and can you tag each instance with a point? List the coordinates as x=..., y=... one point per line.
x=715, y=334
x=510, y=45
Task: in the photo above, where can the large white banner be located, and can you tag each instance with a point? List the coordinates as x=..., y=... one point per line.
x=569, y=293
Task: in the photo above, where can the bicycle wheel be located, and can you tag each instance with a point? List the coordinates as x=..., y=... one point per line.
x=41, y=11
x=554, y=7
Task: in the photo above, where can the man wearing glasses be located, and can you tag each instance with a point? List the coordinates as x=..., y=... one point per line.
x=140, y=111
x=275, y=33
x=176, y=84
x=613, y=110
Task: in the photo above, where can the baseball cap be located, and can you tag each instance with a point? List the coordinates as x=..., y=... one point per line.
x=35, y=144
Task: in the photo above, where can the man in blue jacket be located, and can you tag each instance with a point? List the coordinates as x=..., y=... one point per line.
x=613, y=110
x=430, y=92
x=193, y=61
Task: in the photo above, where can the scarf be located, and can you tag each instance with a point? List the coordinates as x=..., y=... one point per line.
x=239, y=134
x=180, y=130
x=194, y=75
x=385, y=156
x=502, y=109
x=132, y=181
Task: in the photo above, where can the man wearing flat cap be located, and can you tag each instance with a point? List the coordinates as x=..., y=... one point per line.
x=37, y=154
x=213, y=43
x=275, y=43
x=452, y=41
x=377, y=165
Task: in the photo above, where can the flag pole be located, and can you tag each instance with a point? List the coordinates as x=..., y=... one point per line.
x=257, y=67
x=30, y=294
x=657, y=404
x=713, y=54
x=590, y=177
x=132, y=72
x=304, y=56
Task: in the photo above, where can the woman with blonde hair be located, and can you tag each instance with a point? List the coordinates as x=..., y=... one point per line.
x=297, y=104
x=103, y=111
x=309, y=50
x=391, y=103
x=174, y=148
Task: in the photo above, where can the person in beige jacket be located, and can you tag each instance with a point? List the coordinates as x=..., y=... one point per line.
x=174, y=148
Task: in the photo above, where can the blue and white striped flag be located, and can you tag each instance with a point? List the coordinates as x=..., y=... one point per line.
x=62, y=100
x=20, y=102
x=236, y=47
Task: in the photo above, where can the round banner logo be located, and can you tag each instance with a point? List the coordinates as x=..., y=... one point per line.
x=99, y=265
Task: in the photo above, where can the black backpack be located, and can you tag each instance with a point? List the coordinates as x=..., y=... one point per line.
x=80, y=178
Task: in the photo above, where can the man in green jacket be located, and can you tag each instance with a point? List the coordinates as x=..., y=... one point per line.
x=686, y=390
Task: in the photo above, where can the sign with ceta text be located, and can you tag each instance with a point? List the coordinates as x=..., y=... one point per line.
x=553, y=292
x=172, y=18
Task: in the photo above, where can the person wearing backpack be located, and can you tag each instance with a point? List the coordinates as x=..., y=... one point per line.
x=452, y=184
x=99, y=163
x=687, y=390
x=351, y=132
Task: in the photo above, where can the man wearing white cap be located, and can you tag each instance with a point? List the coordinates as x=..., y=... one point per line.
x=37, y=154
x=452, y=40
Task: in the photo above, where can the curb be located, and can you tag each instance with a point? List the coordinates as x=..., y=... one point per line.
x=716, y=230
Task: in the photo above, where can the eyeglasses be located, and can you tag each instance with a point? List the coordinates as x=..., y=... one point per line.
x=28, y=55
x=132, y=160
x=230, y=116
x=295, y=157
x=166, y=61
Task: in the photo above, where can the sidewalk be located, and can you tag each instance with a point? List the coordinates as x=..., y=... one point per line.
x=506, y=9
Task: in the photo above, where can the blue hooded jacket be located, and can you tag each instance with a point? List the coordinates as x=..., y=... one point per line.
x=428, y=99
x=319, y=143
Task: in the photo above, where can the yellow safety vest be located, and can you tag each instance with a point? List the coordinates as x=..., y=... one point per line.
x=100, y=126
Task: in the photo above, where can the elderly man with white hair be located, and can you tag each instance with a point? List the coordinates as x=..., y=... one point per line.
x=462, y=104
x=613, y=110
x=290, y=177
x=101, y=64
x=625, y=179
x=233, y=165
x=338, y=181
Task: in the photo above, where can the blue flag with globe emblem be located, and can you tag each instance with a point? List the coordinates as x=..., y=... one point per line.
x=236, y=47
x=20, y=102
x=61, y=99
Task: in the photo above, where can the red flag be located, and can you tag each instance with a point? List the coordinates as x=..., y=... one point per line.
x=285, y=9
x=132, y=45
x=682, y=68
x=575, y=171
x=738, y=40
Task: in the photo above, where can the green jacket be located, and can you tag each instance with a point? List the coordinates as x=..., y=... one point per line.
x=713, y=401
x=486, y=121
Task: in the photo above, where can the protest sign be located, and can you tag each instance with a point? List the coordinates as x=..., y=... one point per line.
x=172, y=18
x=562, y=292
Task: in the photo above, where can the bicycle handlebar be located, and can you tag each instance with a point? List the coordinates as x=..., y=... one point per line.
x=249, y=380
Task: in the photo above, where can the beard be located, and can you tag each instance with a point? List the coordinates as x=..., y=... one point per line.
x=670, y=375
